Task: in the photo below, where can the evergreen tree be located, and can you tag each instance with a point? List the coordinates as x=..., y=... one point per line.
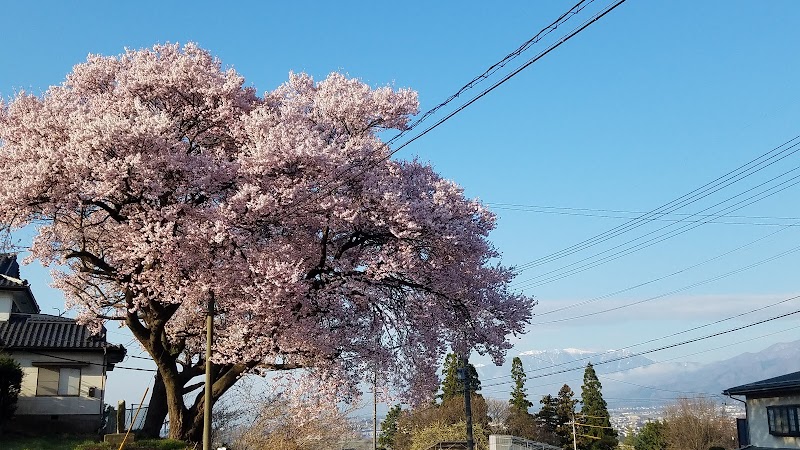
x=565, y=411
x=10, y=383
x=547, y=417
x=519, y=399
x=523, y=424
x=389, y=428
x=651, y=437
x=452, y=387
x=594, y=415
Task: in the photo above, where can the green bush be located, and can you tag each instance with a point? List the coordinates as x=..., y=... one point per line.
x=10, y=383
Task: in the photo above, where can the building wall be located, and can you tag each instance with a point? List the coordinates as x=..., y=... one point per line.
x=6, y=302
x=83, y=404
x=759, y=427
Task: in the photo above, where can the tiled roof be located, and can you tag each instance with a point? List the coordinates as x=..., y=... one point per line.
x=790, y=381
x=43, y=331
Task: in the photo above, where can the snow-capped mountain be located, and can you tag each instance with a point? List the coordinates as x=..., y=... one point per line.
x=632, y=380
x=560, y=359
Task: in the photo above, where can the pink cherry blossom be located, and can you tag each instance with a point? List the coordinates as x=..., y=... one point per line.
x=161, y=181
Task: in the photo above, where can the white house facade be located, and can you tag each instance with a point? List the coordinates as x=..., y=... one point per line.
x=773, y=413
x=64, y=365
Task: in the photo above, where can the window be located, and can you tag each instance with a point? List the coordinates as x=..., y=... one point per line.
x=784, y=420
x=62, y=381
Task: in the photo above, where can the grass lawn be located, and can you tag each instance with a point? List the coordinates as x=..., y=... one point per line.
x=13, y=442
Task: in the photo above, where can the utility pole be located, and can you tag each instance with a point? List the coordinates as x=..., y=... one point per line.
x=574, y=436
x=207, y=398
x=375, y=411
x=463, y=374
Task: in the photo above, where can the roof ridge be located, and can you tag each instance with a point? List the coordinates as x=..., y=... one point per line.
x=43, y=317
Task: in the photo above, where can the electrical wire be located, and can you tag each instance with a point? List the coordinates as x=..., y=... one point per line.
x=340, y=179
x=590, y=262
x=748, y=169
x=608, y=214
x=665, y=347
x=533, y=60
x=87, y=362
x=576, y=9
x=647, y=364
x=663, y=277
x=671, y=335
x=674, y=291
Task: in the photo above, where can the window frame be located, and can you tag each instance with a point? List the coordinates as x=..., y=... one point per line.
x=59, y=381
x=784, y=420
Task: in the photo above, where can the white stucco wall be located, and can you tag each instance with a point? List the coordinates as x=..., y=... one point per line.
x=759, y=427
x=6, y=302
x=91, y=376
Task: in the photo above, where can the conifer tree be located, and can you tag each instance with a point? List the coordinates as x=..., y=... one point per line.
x=519, y=399
x=389, y=428
x=452, y=387
x=547, y=417
x=565, y=411
x=651, y=437
x=594, y=415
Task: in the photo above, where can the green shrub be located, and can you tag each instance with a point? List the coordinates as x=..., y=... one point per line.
x=10, y=383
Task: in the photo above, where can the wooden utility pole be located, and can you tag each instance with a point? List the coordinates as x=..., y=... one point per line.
x=375, y=411
x=464, y=374
x=207, y=398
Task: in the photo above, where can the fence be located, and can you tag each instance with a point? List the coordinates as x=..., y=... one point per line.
x=506, y=442
x=130, y=413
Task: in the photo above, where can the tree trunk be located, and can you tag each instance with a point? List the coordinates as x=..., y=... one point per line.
x=167, y=399
x=178, y=414
x=157, y=409
x=185, y=424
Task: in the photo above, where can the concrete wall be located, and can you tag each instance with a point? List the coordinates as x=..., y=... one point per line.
x=57, y=407
x=56, y=424
x=758, y=425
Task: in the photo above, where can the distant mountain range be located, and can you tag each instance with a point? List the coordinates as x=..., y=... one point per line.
x=636, y=380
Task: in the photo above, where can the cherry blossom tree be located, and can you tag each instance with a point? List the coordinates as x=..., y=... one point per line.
x=162, y=182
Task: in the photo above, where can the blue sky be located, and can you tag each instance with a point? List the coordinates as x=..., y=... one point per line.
x=651, y=102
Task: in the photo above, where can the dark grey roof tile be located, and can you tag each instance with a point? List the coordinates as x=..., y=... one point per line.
x=790, y=381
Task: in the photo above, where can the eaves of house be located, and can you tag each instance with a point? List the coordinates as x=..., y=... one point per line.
x=771, y=386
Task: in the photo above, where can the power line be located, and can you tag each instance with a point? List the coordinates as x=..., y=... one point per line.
x=577, y=8
x=89, y=363
x=340, y=180
x=592, y=262
x=675, y=291
x=647, y=364
x=715, y=185
x=608, y=214
x=671, y=335
x=536, y=58
x=660, y=389
x=699, y=327
x=678, y=344
x=663, y=277
x=669, y=234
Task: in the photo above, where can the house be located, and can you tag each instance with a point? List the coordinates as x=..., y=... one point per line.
x=64, y=365
x=773, y=413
